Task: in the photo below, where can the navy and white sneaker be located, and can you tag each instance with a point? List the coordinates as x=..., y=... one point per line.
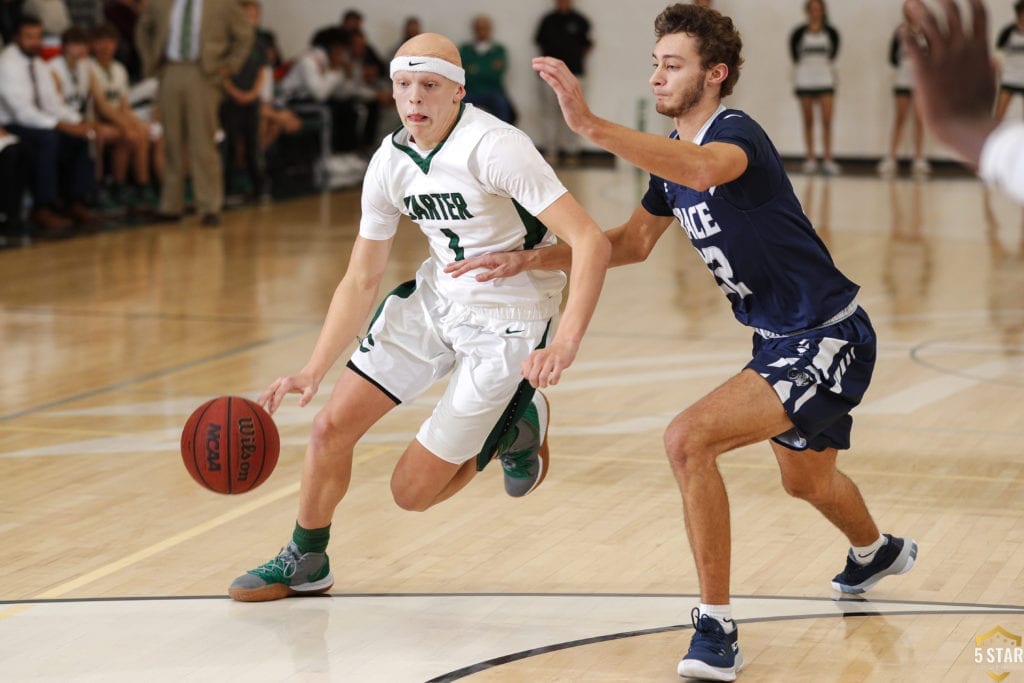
x=714, y=655
x=896, y=556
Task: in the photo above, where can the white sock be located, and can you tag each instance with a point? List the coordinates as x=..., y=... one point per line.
x=864, y=555
x=723, y=613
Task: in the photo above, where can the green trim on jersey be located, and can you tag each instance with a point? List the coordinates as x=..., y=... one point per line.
x=514, y=412
x=424, y=162
x=535, y=229
x=402, y=291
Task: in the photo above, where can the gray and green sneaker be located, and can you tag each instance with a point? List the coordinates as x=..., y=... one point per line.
x=524, y=453
x=290, y=573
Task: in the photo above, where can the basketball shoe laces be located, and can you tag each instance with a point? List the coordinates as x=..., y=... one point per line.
x=281, y=567
x=709, y=636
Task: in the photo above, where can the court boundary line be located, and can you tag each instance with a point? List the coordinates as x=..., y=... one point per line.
x=985, y=608
x=534, y=652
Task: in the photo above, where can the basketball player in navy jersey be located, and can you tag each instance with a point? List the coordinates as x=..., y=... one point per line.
x=813, y=346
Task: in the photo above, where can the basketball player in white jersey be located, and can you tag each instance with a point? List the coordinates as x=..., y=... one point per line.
x=955, y=85
x=474, y=185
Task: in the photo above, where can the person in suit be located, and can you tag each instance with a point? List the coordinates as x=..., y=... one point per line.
x=191, y=46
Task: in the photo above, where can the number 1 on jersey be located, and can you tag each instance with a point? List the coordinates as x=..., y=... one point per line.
x=453, y=244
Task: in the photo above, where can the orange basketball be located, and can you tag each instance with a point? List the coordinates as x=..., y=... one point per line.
x=230, y=445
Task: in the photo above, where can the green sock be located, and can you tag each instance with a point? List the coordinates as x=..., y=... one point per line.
x=311, y=540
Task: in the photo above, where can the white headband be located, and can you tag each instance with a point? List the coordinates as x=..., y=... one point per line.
x=431, y=64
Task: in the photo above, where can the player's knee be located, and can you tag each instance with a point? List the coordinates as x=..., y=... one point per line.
x=327, y=434
x=408, y=500
x=683, y=444
x=812, y=490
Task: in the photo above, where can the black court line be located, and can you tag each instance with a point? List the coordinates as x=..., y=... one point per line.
x=466, y=671
x=158, y=373
x=984, y=608
x=533, y=652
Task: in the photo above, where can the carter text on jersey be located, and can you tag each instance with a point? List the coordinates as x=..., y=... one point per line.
x=447, y=206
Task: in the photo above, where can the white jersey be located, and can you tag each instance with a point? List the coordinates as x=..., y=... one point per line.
x=813, y=54
x=1011, y=43
x=111, y=80
x=479, y=191
x=74, y=83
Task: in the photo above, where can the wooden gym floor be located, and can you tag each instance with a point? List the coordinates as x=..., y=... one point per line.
x=116, y=564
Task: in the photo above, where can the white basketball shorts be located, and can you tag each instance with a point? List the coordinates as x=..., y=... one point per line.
x=416, y=338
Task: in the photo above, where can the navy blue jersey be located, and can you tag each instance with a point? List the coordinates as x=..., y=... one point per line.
x=754, y=236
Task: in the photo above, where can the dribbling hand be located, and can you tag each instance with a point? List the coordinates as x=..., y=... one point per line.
x=273, y=395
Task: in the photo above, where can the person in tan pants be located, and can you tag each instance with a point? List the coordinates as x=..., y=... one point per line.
x=191, y=46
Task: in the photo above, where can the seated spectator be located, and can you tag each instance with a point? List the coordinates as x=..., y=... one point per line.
x=130, y=139
x=240, y=112
x=31, y=109
x=325, y=75
x=485, y=63
x=73, y=77
x=318, y=75
x=71, y=69
x=52, y=14
x=15, y=159
x=142, y=100
x=124, y=15
x=372, y=88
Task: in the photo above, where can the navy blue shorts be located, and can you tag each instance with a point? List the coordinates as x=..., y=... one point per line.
x=820, y=376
